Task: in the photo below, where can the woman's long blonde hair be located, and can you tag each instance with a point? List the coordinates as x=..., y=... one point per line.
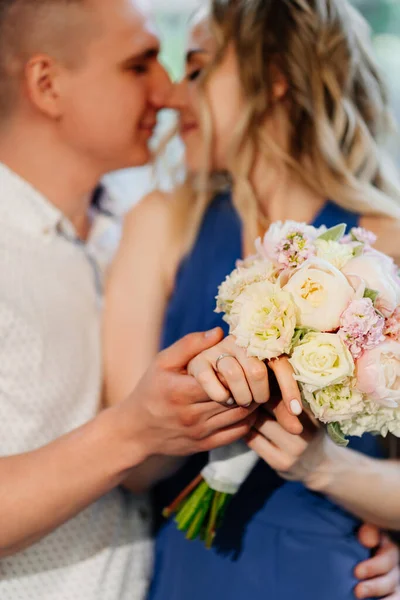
x=337, y=103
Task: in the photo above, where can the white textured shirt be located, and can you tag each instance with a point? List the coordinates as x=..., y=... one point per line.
x=50, y=383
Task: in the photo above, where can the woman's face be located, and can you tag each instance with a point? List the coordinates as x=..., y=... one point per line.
x=223, y=96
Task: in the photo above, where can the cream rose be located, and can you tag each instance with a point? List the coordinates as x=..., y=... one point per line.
x=265, y=320
x=320, y=360
x=378, y=272
x=321, y=293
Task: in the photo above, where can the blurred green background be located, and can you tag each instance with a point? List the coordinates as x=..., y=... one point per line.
x=383, y=16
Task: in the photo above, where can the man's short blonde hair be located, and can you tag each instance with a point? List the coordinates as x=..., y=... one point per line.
x=58, y=28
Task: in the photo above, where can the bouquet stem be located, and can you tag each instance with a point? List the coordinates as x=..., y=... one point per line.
x=198, y=510
x=172, y=508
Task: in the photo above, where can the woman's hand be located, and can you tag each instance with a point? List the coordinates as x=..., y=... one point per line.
x=287, y=453
x=229, y=376
x=298, y=457
x=379, y=575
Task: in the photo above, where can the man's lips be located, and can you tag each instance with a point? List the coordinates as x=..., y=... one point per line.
x=149, y=127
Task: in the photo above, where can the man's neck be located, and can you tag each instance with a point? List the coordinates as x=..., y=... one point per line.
x=58, y=176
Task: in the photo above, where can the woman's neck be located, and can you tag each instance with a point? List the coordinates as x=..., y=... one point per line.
x=282, y=196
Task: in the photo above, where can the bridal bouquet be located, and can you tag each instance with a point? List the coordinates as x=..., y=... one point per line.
x=330, y=302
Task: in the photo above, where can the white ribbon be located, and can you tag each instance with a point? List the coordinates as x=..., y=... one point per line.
x=229, y=467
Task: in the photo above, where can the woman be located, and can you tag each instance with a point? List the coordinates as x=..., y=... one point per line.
x=282, y=521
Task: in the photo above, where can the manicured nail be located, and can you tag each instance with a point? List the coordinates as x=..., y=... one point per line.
x=295, y=407
x=211, y=332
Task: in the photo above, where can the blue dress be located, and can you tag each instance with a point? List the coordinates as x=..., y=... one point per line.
x=278, y=541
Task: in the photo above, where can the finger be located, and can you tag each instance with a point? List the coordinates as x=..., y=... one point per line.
x=255, y=370
x=288, y=385
x=386, y=559
x=178, y=355
x=293, y=445
x=202, y=370
x=378, y=587
x=369, y=535
x=276, y=458
x=228, y=435
x=257, y=378
x=229, y=417
x=232, y=372
x=289, y=422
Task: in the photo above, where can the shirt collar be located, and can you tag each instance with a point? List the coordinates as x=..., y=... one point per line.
x=25, y=208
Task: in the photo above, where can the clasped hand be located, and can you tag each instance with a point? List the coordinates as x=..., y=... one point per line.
x=280, y=435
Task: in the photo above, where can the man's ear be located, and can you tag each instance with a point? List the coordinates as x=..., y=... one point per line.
x=43, y=84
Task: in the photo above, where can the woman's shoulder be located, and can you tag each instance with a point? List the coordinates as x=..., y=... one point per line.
x=387, y=231
x=153, y=210
x=151, y=223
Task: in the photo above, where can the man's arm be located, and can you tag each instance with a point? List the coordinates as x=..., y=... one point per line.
x=167, y=414
x=42, y=489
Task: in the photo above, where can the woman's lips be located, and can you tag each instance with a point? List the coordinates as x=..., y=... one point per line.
x=186, y=128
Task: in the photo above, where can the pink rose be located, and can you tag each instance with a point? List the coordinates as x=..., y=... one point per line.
x=392, y=325
x=378, y=272
x=378, y=373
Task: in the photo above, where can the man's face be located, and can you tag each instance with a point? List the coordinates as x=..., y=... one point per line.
x=110, y=103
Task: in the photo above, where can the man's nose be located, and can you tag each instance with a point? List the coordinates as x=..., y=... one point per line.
x=161, y=87
x=176, y=100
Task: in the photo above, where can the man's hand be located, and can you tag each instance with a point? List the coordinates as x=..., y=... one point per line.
x=169, y=413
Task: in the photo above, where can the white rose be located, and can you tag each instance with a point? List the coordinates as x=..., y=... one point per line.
x=321, y=293
x=334, y=253
x=335, y=403
x=321, y=359
x=264, y=320
x=378, y=272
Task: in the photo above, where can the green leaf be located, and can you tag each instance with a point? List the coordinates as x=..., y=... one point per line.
x=371, y=294
x=334, y=234
x=358, y=250
x=336, y=434
x=299, y=334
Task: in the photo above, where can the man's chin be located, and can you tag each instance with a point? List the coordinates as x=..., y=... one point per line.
x=136, y=158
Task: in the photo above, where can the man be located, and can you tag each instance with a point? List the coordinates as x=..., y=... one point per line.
x=80, y=89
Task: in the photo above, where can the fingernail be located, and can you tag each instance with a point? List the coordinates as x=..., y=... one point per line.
x=295, y=407
x=230, y=402
x=211, y=332
x=247, y=405
x=363, y=591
